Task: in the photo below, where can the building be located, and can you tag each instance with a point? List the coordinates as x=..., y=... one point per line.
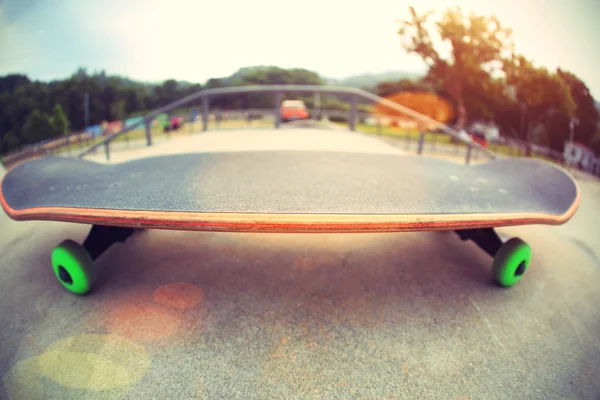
x=580, y=156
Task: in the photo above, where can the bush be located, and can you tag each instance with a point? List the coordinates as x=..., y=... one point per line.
x=338, y=118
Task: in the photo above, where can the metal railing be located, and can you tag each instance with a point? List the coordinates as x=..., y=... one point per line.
x=381, y=125
x=425, y=141
x=510, y=147
x=277, y=90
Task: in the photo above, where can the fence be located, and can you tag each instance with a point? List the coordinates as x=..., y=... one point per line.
x=351, y=94
x=388, y=129
x=444, y=140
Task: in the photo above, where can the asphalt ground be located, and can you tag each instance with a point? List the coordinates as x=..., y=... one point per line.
x=188, y=315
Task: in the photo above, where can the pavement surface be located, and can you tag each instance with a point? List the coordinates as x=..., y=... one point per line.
x=194, y=315
x=310, y=138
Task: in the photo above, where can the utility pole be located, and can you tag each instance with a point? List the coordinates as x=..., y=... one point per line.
x=523, y=107
x=573, y=122
x=86, y=110
x=86, y=114
x=525, y=129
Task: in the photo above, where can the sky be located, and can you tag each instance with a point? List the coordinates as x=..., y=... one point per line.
x=194, y=40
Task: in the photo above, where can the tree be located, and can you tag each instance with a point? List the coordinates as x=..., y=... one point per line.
x=476, y=45
x=508, y=118
x=302, y=76
x=385, y=89
x=37, y=127
x=595, y=141
x=11, y=82
x=586, y=112
x=59, y=121
x=115, y=97
x=134, y=98
x=484, y=96
x=543, y=97
x=9, y=142
x=267, y=75
x=117, y=110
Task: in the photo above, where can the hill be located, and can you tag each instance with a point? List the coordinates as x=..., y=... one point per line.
x=369, y=81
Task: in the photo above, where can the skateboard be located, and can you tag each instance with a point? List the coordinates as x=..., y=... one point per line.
x=288, y=191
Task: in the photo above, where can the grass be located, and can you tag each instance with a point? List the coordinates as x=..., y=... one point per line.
x=385, y=130
x=441, y=138
x=411, y=136
x=393, y=131
x=504, y=150
x=75, y=147
x=157, y=133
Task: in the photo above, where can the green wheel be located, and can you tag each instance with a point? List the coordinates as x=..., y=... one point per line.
x=73, y=267
x=511, y=262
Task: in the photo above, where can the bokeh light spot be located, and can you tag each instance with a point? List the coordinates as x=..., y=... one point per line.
x=180, y=295
x=103, y=364
x=83, y=370
x=143, y=322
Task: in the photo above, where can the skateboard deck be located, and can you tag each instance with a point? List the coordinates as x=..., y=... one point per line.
x=299, y=191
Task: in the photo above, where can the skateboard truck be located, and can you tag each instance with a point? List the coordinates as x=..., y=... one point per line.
x=74, y=266
x=487, y=239
x=511, y=258
x=73, y=263
x=125, y=194
x=101, y=238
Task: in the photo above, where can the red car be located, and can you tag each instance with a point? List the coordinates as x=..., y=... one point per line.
x=292, y=110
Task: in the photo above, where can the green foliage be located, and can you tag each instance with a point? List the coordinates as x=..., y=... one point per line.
x=117, y=110
x=385, y=89
x=266, y=75
x=586, y=112
x=338, y=118
x=595, y=141
x=11, y=82
x=539, y=135
x=370, y=82
x=543, y=101
x=32, y=111
x=543, y=97
x=261, y=75
x=9, y=142
x=115, y=98
x=540, y=89
x=476, y=44
x=59, y=121
x=38, y=127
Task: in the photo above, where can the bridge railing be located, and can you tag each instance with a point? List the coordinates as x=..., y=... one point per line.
x=399, y=131
x=352, y=95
